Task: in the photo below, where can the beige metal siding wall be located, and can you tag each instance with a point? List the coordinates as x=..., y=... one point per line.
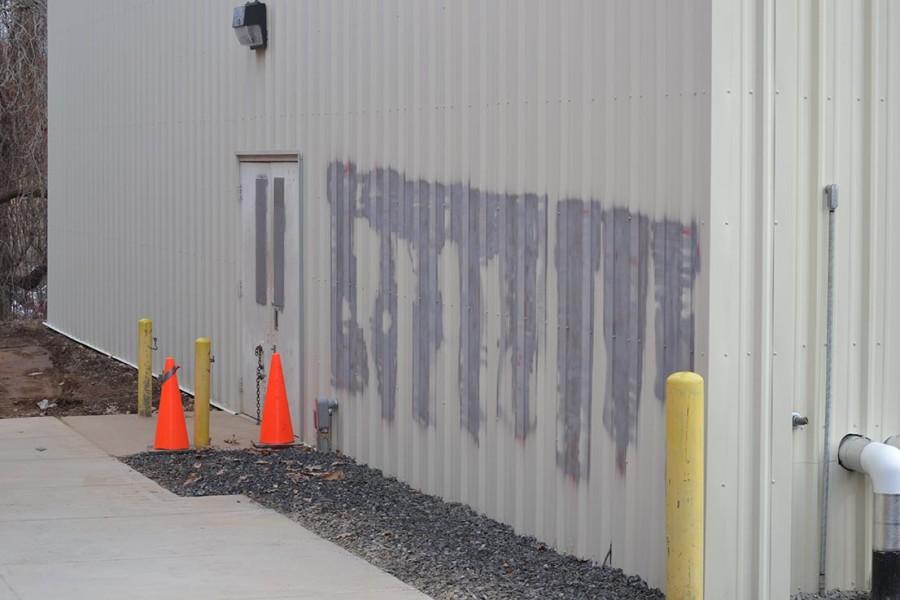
x=143, y=117
x=804, y=93
x=745, y=487
x=844, y=128
x=583, y=125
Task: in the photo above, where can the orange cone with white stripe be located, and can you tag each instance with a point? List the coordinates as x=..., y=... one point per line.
x=276, y=429
x=171, y=429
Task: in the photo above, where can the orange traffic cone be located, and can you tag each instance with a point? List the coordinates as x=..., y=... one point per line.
x=171, y=430
x=276, y=429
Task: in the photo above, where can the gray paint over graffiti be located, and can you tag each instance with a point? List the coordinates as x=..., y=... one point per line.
x=577, y=260
x=626, y=241
x=484, y=226
x=617, y=242
x=349, y=362
x=676, y=262
x=416, y=212
x=261, y=239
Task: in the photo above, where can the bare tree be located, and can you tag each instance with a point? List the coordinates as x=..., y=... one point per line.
x=23, y=157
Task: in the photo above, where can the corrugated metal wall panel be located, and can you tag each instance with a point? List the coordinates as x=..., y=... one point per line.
x=848, y=136
x=804, y=94
x=522, y=187
x=739, y=407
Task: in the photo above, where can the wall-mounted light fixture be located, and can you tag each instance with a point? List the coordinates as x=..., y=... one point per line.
x=249, y=24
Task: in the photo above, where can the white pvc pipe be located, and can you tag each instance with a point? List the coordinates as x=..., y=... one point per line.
x=881, y=462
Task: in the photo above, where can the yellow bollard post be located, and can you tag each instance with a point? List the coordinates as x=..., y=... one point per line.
x=685, y=489
x=201, y=392
x=145, y=368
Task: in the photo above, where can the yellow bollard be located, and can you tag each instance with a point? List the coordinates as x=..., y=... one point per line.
x=145, y=368
x=201, y=392
x=684, y=486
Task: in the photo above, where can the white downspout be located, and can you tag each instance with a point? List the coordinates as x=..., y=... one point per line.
x=881, y=462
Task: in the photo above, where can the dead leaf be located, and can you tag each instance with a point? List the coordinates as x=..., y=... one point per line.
x=336, y=475
x=192, y=479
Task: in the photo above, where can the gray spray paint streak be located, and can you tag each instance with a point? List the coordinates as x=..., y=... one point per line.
x=625, y=266
x=261, y=241
x=427, y=309
x=577, y=260
x=589, y=237
x=412, y=211
x=467, y=231
x=521, y=253
x=382, y=209
x=416, y=211
x=349, y=363
x=676, y=262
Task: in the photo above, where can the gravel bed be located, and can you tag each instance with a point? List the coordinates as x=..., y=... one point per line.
x=834, y=595
x=444, y=549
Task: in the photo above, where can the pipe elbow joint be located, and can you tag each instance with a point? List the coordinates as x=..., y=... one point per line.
x=880, y=461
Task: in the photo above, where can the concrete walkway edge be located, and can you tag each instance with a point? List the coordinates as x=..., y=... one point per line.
x=78, y=524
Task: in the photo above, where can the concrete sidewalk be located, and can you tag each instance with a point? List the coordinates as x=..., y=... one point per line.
x=121, y=435
x=76, y=523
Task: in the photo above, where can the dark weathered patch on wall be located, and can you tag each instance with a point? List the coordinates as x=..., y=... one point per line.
x=484, y=226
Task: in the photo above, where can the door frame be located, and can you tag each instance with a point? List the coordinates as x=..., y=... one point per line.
x=280, y=156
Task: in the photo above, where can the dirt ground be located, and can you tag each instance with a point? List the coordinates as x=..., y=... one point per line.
x=45, y=373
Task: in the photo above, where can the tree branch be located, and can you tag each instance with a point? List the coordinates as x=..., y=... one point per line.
x=33, y=279
x=10, y=194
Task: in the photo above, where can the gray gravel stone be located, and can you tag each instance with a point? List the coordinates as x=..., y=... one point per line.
x=444, y=549
x=834, y=595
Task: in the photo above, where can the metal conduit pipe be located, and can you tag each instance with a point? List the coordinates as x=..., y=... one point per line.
x=881, y=462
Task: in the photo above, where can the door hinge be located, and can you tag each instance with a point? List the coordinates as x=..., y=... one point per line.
x=240, y=193
x=240, y=288
x=240, y=385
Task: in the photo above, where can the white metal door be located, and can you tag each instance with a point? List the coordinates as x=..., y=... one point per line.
x=270, y=283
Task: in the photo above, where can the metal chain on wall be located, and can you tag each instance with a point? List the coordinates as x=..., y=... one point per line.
x=260, y=375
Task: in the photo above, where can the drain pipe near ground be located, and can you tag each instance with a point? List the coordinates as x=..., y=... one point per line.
x=882, y=464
